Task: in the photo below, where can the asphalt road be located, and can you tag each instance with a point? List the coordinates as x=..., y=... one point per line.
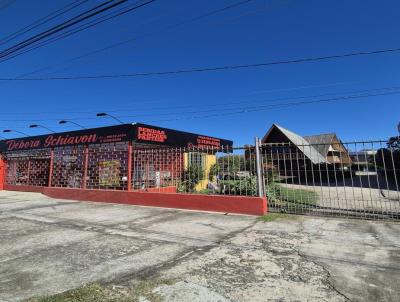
x=48, y=246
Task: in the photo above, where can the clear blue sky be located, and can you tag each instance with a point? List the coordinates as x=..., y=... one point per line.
x=260, y=31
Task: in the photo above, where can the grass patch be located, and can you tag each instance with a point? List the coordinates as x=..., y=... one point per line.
x=88, y=293
x=290, y=195
x=98, y=293
x=272, y=217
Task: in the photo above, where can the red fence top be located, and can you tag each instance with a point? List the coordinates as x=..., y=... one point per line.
x=140, y=133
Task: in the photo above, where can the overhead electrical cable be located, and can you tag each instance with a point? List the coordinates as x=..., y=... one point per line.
x=261, y=106
x=78, y=29
x=165, y=29
x=237, y=110
x=206, y=69
x=72, y=21
x=67, y=24
x=226, y=103
x=281, y=106
x=42, y=21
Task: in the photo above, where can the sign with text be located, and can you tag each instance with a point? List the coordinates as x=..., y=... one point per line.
x=140, y=133
x=102, y=135
x=164, y=136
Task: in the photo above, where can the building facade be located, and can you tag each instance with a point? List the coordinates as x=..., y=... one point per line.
x=123, y=157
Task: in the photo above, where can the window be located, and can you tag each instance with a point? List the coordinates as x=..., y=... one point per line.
x=196, y=159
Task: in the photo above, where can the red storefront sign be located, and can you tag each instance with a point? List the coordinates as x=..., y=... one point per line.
x=121, y=133
x=152, y=135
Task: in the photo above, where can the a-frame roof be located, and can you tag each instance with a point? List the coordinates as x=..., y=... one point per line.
x=309, y=151
x=321, y=142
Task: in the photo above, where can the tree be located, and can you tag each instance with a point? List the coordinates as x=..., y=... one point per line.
x=394, y=143
x=227, y=166
x=388, y=159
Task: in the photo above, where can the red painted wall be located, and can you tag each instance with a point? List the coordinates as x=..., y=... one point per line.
x=213, y=203
x=23, y=188
x=170, y=189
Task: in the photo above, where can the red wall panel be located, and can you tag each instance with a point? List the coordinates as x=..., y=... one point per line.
x=213, y=203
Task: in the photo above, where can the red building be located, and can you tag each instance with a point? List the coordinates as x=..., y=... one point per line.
x=123, y=157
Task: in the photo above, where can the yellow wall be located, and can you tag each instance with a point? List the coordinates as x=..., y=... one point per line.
x=209, y=161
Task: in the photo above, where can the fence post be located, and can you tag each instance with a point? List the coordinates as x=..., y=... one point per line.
x=51, y=167
x=260, y=185
x=85, y=166
x=129, y=178
x=28, y=178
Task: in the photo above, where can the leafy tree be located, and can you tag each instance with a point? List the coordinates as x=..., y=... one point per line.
x=229, y=165
x=394, y=143
x=389, y=159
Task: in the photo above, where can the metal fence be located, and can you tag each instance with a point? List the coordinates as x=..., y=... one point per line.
x=358, y=179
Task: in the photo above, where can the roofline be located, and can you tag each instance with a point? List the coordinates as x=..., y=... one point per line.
x=330, y=133
x=269, y=131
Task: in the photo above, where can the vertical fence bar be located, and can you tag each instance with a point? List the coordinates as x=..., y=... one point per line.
x=85, y=166
x=129, y=176
x=51, y=167
x=28, y=177
x=14, y=182
x=259, y=170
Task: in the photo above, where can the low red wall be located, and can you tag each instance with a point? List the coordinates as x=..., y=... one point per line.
x=23, y=188
x=170, y=189
x=215, y=203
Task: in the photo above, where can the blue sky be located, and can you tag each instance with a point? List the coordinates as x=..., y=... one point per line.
x=260, y=31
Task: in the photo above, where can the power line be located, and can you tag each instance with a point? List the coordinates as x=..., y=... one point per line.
x=241, y=109
x=262, y=106
x=54, y=29
x=359, y=92
x=42, y=21
x=6, y=3
x=258, y=101
x=279, y=106
x=80, y=28
x=363, y=91
x=71, y=22
x=168, y=28
x=207, y=69
x=267, y=5
x=124, y=109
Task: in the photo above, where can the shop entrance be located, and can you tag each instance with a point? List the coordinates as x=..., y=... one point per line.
x=28, y=171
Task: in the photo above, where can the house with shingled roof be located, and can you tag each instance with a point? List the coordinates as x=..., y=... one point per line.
x=322, y=149
x=330, y=147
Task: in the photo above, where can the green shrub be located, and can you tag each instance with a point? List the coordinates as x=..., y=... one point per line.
x=229, y=165
x=190, y=178
x=244, y=186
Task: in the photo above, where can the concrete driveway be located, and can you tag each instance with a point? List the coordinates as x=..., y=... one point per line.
x=49, y=246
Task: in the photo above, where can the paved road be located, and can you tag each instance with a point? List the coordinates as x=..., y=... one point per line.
x=49, y=246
